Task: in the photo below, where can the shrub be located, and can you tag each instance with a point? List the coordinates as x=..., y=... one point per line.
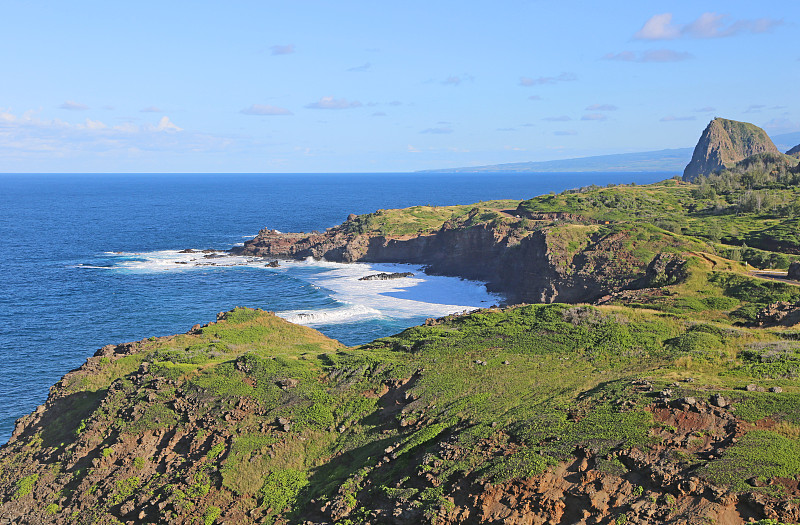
x=25, y=485
x=281, y=488
x=211, y=514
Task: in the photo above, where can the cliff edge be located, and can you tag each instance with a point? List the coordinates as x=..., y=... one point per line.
x=724, y=143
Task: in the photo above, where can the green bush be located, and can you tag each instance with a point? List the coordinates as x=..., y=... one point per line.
x=281, y=488
x=211, y=514
x=25, y=485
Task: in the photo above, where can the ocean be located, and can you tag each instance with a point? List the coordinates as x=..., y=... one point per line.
x=93, y=259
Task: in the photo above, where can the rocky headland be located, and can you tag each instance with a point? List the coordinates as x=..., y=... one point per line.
x=724, y=143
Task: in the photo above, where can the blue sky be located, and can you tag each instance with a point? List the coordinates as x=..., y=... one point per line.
x=312, y=86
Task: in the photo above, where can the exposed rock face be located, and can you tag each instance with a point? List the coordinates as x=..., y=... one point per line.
x=794, y=152
x=523, y=266
x=724, y=143
x=794, y=271
x=782, y=313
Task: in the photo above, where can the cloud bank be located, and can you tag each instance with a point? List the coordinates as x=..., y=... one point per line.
x=653, y=55
x=540, y=81
x=333, y=103
x=707, y=25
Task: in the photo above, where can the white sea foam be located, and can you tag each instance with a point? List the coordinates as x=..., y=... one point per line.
x=171, y=260
x=407, y=297
x=343, y=314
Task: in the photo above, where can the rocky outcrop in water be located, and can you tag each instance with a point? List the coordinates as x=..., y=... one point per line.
x=386, y=276
x=723, y=144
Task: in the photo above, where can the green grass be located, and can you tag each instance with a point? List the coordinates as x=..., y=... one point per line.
x=426, y=219
x=555, y=379
x=25, y=486
x=758, y=454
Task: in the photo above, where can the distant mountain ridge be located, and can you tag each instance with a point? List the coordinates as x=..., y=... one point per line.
x=665, y=160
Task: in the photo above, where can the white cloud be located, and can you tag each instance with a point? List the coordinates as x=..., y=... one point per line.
x=659, y=27
x=563, y=77
x=653, y=55
x=602, y=107
x=36, y=142
x=412, y=149
x=333, y=103
x=565, y=133
x=94, y=124
x=73, y=106
x=150, y=109
x=287, y=49
x=265, y=110
x=364, y=68
x=166, y=125
x=452, y=81
x=594, y=116
x=664, y=55
x=534, y=97
x=707, y=25
x=379, y=114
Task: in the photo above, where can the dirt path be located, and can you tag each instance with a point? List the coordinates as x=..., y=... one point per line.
x=774, y=275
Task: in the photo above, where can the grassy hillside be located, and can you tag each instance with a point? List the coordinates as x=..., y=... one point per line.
x=252, y=419
x=753, y=205
x=427, y=219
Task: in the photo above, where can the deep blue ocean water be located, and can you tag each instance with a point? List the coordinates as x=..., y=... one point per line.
x=89, y=260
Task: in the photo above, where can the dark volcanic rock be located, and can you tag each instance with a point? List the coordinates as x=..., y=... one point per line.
x=386, y=276
x=530, y=267
x=724, y=143
x=794, y=271
x=782, y=313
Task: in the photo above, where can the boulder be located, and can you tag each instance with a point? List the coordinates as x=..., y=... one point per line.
x=794, y=271
x=386, y=276
x=718, y=401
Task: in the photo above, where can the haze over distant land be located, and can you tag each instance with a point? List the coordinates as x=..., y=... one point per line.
x=667, y=160
x=279, y=87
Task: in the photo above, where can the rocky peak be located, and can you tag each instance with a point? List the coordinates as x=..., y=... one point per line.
x=794, y=152
x=724, y=143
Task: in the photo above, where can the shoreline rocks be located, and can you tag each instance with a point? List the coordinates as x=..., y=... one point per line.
x=386, y=276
